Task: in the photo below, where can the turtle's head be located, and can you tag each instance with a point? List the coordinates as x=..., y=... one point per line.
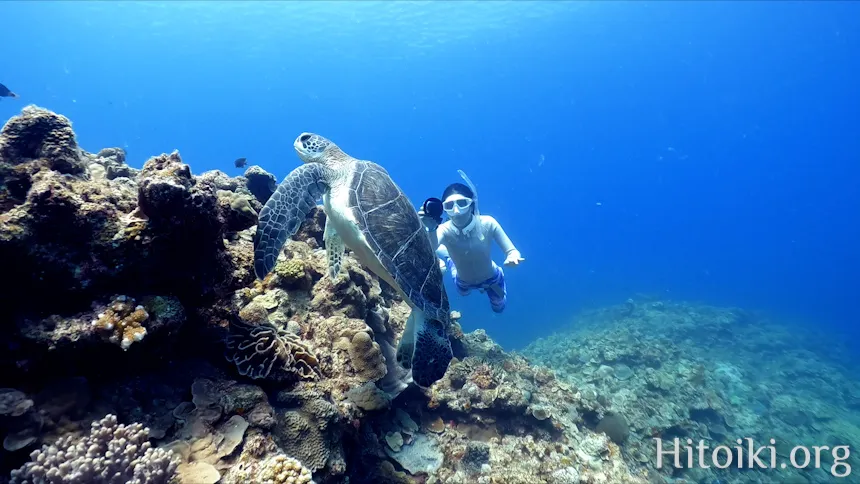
x=312, y=147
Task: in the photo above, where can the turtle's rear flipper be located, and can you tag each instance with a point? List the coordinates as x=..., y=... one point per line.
x=406, y=346
x=285, y=211
x=432, y=353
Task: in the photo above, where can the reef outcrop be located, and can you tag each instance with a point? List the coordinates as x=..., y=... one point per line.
x=133, y=311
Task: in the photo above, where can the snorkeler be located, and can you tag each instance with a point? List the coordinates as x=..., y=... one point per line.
x=464, y=242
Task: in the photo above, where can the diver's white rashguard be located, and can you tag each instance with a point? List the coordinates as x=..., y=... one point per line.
x=471, y=255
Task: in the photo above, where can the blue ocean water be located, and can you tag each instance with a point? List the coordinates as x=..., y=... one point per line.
x=703, y=151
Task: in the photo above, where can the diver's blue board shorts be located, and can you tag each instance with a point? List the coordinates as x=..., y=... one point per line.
x=494, y=286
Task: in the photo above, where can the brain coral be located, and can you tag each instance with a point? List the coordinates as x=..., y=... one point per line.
x=40, y=134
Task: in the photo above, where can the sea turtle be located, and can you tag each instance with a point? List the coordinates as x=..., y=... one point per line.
x=367, y=212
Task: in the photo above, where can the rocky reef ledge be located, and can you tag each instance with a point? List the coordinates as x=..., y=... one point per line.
x=137, y=343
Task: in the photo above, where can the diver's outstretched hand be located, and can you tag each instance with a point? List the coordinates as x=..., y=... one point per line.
x=513, y=259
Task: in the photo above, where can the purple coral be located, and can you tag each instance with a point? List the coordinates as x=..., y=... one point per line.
x=111, y=454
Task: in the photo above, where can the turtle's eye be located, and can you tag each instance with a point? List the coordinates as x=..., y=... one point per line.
x=305, y=138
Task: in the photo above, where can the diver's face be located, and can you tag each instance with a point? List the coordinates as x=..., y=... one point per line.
x=458, y=208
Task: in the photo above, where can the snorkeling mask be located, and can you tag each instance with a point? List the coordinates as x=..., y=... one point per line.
x=464, y=203
x=461, y=203
x=433, y=208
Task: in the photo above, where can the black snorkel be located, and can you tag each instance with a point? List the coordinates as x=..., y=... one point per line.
x=432, y=208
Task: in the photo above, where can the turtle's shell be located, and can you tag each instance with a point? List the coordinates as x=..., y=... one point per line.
x=396, y=235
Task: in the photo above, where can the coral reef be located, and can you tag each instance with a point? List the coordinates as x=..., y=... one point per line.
x=135, y=298
x=667, y=370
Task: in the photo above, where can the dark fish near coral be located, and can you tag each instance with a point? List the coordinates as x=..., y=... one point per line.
x=5, y=92
x=240, y=162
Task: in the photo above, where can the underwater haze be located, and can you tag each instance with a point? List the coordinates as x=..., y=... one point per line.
x=703, y=151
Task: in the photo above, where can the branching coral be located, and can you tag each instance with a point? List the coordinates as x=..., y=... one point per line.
x=111, y=453
x=124, y=320
x=281, y=469
x=264, y=351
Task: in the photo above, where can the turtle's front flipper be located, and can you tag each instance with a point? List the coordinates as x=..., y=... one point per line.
x=282, y=215
x=334, y=249
x=432, y=353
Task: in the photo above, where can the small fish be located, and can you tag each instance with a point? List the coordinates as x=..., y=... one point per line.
x=240, y=162
x=5, y=92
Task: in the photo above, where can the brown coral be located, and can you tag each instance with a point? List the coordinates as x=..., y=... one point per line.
x=254, y=313
x=124, y=321
x=264, y=351
x=366, y=357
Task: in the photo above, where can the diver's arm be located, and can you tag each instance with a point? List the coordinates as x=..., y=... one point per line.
x=433, y=228
x=435, y=235
x=512, y=255
x=499, y=234
x=442, y=255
